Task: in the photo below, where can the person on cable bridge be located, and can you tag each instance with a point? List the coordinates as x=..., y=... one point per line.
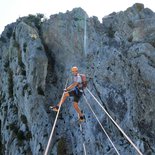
x=75, y=90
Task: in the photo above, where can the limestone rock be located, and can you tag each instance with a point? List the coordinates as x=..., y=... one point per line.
x=118, y=57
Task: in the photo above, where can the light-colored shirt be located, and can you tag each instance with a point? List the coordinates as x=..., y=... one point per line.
x=78, y=79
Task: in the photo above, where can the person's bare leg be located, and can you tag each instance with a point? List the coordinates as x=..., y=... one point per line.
x=66, y=94
x=77, y=109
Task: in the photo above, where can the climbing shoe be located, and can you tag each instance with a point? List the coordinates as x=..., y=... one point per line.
x=82, y=118
x=55, y=108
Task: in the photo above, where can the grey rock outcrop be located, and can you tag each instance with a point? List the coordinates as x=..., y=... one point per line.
x=118, y=57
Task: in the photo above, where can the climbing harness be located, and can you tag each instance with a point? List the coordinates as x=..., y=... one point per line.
x=76, y=90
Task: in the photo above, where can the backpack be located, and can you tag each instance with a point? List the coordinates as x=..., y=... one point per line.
x=84, y=81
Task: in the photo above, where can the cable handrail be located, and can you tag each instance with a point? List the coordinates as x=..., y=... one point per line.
x=55, y=121
x=125, y=135
x=84, y=147
x=101, y=125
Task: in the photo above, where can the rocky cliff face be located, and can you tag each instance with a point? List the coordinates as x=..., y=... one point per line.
x=118, y=56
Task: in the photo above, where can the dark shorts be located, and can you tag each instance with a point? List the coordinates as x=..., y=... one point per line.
x=76, y=94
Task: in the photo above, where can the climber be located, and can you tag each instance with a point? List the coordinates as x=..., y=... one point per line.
x=75, y=90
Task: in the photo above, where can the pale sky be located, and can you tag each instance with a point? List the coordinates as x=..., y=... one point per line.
x=10, y=10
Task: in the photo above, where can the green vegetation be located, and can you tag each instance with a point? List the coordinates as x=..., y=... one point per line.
x=14, y=35
x=20, y=63
x=15, y=109
x=19, y=134
x=5, y=108
x=61, y=150
x=111, y=32
x=28, y=135
x=24, y=47
x=23, y=119
x=6, y=65
x=20, y=137
x=13, y=127
x=130, y=38
x=26, y=88
x=40, y=91
x=139, y=6
x=33, y=20
x=10, y=83
x=131, y=25
x=9, y=33
x=16, y=45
